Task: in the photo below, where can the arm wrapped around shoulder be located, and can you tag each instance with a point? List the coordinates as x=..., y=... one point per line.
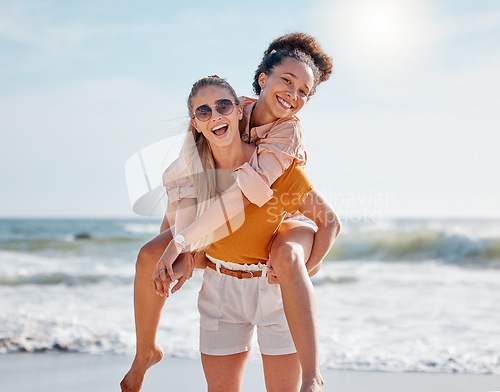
x=253, y=186
x=178, y=183
x=275, y=151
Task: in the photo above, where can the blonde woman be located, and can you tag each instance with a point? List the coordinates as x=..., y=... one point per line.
x=235, y=296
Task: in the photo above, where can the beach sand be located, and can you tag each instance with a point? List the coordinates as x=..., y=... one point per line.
x=102, y=373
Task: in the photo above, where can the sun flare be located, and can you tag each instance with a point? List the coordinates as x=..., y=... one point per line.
x=381, y=28
x=377, y=31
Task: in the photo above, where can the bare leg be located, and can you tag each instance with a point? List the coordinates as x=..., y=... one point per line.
x=281, y=372
x=224, y=373
x=289, y=254
x=147, y=308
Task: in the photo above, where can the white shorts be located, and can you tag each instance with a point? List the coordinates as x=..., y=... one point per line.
x=230, y=309
x=304, y=219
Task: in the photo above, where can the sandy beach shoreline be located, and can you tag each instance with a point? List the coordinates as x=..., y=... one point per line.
x=100, y=373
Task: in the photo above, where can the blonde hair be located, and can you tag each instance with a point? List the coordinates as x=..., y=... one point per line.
x=197, y=155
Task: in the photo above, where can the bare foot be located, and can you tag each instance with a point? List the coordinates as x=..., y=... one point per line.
x=133, y=380
x=312, y=385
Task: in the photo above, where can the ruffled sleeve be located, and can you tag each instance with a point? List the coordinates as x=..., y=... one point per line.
x=276, y=149
x=178, y=183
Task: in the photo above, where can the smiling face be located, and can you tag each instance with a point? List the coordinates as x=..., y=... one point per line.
x=286, y=88
x=220, y=130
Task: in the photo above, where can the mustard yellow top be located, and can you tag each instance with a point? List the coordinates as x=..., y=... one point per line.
x=251, y=233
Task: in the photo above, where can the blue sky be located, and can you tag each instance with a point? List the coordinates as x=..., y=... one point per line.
x=408, y=125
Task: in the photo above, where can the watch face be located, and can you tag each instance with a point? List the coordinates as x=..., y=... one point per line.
x=180, y=240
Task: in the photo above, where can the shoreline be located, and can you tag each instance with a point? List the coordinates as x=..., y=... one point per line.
x=75, y=372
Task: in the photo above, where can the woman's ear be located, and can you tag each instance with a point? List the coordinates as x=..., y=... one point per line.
x=193, y=124
x=262, y=80
x=240, y=111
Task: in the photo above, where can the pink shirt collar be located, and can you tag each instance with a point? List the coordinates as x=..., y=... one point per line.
x=261, y=131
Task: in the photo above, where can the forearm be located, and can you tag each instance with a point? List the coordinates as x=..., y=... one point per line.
x=169, y=218
x=185, y=214
x=323, y=242
x=317, y=208
x=201, y=260
x=230, y=204
x=179, y=217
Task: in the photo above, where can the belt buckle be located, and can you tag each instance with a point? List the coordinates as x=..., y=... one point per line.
x=240, y=274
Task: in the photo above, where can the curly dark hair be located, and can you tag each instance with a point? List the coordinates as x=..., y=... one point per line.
x=301, y=47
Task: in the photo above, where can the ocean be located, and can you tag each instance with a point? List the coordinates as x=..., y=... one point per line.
x=393, y=295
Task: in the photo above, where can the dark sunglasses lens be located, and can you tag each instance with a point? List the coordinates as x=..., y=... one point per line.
x=203, y=113
x=225, y=107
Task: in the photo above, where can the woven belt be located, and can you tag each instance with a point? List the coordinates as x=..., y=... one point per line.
x=236, y=274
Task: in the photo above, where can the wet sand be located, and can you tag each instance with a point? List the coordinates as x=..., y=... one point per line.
x=102, y=373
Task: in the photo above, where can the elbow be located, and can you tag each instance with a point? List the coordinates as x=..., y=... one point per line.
x=332, y=223
x=337, y=225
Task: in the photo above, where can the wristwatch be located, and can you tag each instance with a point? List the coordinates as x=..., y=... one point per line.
x=179, y=238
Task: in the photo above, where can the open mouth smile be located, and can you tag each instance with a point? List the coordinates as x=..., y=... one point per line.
x=220, y=130
x=283, y=103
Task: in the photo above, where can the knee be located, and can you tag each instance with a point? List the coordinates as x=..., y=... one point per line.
x=151, y=252
x=287, y=258
x=148, y=256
